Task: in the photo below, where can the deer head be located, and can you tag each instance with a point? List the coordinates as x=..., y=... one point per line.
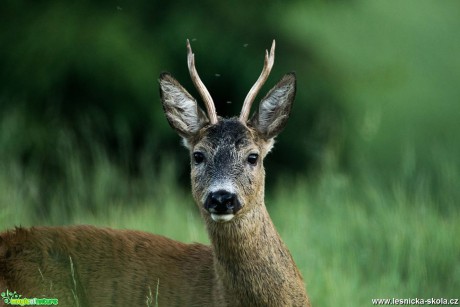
x=227, y=154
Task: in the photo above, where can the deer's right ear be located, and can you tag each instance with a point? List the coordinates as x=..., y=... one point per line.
x=180, y=107
x=275, y=107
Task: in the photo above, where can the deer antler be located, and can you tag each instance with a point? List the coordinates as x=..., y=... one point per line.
x=268, y=64
x=207, y=99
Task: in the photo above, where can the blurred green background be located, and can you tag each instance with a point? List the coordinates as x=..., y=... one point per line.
x=363, y=184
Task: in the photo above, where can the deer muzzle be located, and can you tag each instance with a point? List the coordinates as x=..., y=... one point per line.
x=222, y=205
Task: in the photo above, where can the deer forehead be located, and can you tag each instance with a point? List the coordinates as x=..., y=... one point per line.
x=227, y=135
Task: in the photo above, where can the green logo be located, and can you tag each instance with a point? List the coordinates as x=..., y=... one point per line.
x=13, y=298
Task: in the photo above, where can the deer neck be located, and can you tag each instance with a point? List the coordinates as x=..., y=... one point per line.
x=251, y=261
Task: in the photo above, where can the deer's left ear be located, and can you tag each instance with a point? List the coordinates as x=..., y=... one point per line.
x=275, y=107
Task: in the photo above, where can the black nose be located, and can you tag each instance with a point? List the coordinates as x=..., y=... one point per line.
x=222, y=202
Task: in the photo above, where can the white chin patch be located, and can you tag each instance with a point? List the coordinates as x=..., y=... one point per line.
x=221, y=217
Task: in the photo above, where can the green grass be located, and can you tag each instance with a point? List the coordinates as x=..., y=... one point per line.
x=163, y=207
x=353, y=239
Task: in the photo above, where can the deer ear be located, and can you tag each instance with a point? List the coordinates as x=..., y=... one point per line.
x=275, y=107
x=180, y=107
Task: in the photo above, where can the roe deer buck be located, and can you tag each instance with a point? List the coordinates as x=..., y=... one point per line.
x=247, y=263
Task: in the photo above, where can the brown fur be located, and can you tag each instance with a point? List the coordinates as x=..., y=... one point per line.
x=89, y=266
x=110, y=267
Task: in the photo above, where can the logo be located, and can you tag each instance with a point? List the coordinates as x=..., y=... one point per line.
x=15, y=299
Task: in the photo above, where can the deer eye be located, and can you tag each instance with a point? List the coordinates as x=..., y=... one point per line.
x=198, y=157
x=252, y=158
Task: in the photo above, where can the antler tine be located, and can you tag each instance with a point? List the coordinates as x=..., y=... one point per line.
x=268, y=64
x=207, y=99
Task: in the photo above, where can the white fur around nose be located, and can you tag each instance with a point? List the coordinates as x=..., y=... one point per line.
x=222, y=217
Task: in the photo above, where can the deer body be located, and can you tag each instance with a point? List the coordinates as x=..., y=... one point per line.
x=89, y=266
x=247, y=263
